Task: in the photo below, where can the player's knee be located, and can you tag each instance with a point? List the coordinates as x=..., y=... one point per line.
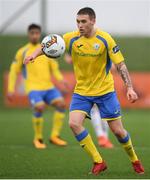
x=40, y=108
x=60, y=105
x=74, y=125
x=119, y=132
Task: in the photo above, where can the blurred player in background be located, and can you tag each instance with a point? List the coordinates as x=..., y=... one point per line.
x=100, y=126
x=39, y=87
x=92, y=52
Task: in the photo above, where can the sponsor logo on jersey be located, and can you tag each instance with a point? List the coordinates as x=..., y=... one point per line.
x=87, y=54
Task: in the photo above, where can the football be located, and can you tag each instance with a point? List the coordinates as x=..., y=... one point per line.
x=53, y=46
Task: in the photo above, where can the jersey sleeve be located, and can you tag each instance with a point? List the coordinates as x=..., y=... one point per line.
x=67, y=40
x=114, y=51
x=55, y=70
x=19, y=59
x=15, y=68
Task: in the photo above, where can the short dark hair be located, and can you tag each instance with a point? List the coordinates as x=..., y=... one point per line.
x=34, y=26
x=87, y=11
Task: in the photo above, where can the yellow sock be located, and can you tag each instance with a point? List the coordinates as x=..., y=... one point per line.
x=86, y=142
x=57, y=123
x=128, y=147
x=38, y=127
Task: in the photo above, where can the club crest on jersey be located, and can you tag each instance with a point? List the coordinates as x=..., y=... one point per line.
x=115, y=49
x=96, y=46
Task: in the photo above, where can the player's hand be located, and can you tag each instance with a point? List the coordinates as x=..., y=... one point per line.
x=28, y=59
x=68, y=59
x=35, y=54
x=10, y=96
x=131, y=95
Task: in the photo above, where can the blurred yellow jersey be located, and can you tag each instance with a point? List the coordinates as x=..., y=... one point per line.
x=37, y=75
x=92, y=58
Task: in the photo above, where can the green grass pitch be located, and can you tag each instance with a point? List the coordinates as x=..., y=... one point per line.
x=19, y=159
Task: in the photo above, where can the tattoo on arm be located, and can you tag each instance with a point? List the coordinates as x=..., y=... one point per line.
x=123, y=71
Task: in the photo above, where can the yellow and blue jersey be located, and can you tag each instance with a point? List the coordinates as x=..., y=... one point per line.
x=37, y=75
x=92, y=58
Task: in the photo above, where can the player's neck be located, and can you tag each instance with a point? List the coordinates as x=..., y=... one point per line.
x=34, y=44
x=91, y=33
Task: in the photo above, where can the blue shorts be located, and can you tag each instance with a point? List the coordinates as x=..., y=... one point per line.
x=107, y=104
x=47, y=96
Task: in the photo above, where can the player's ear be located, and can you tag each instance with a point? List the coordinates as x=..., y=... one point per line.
x=93, y=21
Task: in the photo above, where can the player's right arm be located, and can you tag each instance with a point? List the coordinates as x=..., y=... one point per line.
x=35, y=54
x=15, y=68
x=39, y=52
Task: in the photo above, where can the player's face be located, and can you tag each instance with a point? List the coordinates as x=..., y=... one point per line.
x=85, y=24
x=34, y=36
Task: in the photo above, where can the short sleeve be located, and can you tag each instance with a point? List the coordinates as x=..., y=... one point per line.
x=19, y=55
x=114, y=51
x=15, y=68
x=66, y=39
x=19, y=59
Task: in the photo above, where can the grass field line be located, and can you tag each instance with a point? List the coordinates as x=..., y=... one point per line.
x=69, y=147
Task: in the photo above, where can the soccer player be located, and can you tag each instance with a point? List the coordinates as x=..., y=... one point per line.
x=39, y=87
x=100, y=126
x=92, y=51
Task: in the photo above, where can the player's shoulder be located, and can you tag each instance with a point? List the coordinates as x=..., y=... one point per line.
x=51, y=61
x=22, y=49
x=105, y=35
x=70, y=35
